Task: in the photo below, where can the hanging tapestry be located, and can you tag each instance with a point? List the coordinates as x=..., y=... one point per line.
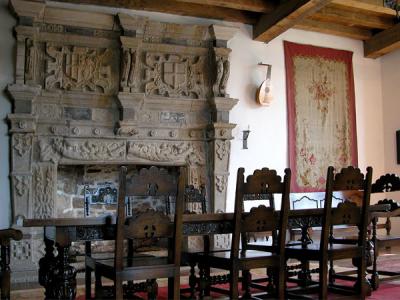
x=321, y=113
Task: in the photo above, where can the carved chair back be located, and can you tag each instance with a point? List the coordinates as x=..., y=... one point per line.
x=347, y=212
x=261, y=218
x=153, y=182
x=148, y=224
x=385, y=184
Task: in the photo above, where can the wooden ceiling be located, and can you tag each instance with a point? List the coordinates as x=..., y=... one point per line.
x=366, y=20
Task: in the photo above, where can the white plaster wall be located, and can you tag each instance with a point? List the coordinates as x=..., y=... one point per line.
x=7, y=59
x=391, y=119
x=267, y=142
x=391, y=108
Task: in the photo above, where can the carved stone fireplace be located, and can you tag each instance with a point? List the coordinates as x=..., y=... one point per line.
x=102, y=89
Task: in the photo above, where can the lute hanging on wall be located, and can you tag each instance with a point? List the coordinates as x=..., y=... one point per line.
x=264, y=92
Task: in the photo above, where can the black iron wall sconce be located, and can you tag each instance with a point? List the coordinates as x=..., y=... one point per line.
x=245, y=137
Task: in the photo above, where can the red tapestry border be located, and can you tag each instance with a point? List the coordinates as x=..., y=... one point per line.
x=291, y=50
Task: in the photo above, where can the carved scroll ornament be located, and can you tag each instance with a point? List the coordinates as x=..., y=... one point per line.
x=220, y=182
x=167, y=152
x=91, y=150
x=21, y=185
x=22, y=143
x=222, y=148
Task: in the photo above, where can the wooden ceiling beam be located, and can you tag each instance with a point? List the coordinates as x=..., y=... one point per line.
x=177, y=8
x=285, y=16
x=351, y=18
x=335, y=29
x=262, y=6
x=365, y=6
x=383, y=42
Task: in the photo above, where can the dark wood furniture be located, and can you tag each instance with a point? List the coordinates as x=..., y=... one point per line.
x=386, y=183
x=6, y=235
x=146, y=183
x=194, y=202
x=61, y=232
x=259, y=219
x=150, y=224
x=347, y=213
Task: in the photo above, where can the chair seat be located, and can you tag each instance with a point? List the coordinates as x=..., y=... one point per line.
x=312, y=251
x=387, y=237
x=251, y=259
x=142, y=267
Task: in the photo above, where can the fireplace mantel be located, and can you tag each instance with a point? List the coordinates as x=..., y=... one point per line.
x=95, y=88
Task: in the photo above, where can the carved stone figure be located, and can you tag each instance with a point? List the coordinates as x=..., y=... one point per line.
x=128, y=69
x=222, y=74
x=31, y=60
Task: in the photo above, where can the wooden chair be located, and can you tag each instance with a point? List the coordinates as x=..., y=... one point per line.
x=194, y=202
x=153, y=182
x=142, y=225
x=386, y=183
x=346, y=213
x=259, y=219
x=6, y=236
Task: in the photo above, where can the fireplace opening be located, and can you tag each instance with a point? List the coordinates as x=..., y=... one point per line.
x=92, y=190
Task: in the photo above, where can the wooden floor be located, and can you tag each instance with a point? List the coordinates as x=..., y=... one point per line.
x=34, y=291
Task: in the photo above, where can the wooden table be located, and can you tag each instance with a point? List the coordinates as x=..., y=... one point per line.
x=59, y=278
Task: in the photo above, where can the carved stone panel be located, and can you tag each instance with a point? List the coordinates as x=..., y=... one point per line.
x=21, y=153
x=174, y=75
x=82, y=69
x=43, y=187
x=60, y=150
x=171, y=152
x=21, y=191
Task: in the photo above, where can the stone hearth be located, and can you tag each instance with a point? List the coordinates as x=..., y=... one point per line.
x=96, y=89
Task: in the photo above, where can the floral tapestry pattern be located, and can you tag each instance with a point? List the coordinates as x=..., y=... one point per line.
x=321, y=113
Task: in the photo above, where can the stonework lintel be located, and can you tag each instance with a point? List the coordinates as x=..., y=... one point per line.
x=223, y=33
x=221, y=131
x=134, y=24
x=223, y=103
x=22, y=92
x=130, y=42
x=34, y=10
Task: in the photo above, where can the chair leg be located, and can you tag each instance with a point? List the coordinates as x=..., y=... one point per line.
x=152, y=289
x=88, y=283
x=192, y=279
x=323, y=280
x=119, y=290
x=98, y=286
x=246, y=280
x=281, y=283
x=234, y=282
x=361, y=278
